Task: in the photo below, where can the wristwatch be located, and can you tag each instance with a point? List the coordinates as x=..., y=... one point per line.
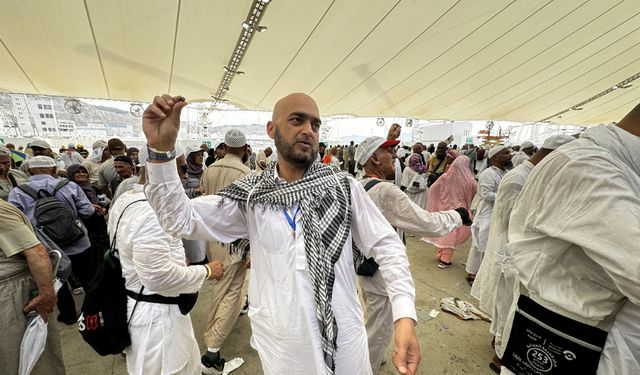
x=156, y=155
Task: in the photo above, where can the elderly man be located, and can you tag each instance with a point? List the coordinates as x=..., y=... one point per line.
x=226, y=295
x=377, y=156
x=496, y=283
x=523, y=153
x=9, y=178
x=302, y=220
x=528, y=148
x=125, y=169
x=573, y=240
x=43, y=170
x=38, y=147
x=488, y=181
x=107, y=172
x=160, y=283
x=438, y=163
x=24, y=268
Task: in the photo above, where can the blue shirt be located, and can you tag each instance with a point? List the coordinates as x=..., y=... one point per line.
x=71, y=194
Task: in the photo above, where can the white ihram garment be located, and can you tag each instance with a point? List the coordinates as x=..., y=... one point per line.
x=285, y=329
x=496, y=282
x=404, y=215
x=488, y=182
x=574, y=235
x=162, y=339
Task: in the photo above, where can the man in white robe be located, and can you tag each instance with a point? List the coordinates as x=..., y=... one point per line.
x=290, y=329
x=377, y=155
x=162, y=338
x=573, y=238
x=495, y=283
x=488, y=181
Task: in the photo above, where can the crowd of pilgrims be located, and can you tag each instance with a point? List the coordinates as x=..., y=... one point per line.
x=439, y=177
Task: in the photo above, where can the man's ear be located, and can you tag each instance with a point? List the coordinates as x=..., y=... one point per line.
x=271, y=130
x=374, y=157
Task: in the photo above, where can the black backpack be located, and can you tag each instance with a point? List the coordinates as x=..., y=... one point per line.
x=54, y=217
x=103, y=320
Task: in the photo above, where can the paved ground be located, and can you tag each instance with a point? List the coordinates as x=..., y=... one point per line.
x=448, y=345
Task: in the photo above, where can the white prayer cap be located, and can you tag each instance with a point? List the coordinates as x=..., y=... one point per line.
x=235, y=138
x=556, y=141
x=41, y=162
x=367, y=147
x=526, y=144
x=40, y=143
x=495, y=150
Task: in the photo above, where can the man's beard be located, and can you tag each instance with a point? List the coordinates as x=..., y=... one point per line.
x=298, y=158
x=441, y=156
x=508, y=165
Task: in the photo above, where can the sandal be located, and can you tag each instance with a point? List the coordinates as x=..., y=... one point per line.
x=470, y=279
x=495, y=368
x=495, y=364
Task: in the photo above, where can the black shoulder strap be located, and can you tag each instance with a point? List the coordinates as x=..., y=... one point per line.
x=114, y=250
x=371, y=183
x=435, y=170
x=60, y=185
x=115, y=234
x=14, y=183
x=29, y=191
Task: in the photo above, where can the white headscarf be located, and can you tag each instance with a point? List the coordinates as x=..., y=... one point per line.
x=96, y=153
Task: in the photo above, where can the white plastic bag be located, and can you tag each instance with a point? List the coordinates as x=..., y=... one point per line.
x=33, y=343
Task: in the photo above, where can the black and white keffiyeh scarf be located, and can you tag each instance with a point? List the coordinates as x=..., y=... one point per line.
x=325, y=205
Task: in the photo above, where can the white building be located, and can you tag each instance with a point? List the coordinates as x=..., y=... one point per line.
x=35, y=115
x=98, y=131
x=66, y=127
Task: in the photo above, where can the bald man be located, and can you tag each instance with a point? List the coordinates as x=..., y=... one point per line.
x=302, y=220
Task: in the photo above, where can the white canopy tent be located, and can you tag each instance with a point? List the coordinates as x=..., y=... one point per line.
x=512, y=60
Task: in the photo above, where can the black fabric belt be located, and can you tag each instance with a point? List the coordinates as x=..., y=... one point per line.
x=184, y=301
x=154, y=298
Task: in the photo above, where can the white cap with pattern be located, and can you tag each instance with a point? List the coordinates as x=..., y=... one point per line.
x=235, y=138
x=41, y=161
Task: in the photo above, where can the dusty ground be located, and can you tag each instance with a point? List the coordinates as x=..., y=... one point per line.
x=448, y=345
